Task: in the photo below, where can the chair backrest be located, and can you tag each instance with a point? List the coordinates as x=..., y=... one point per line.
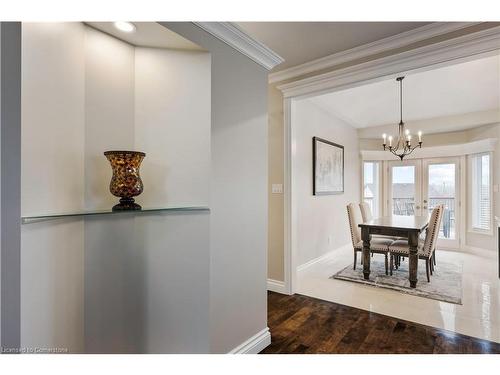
x=432, y=233
x=366, y=212
x=354, y=215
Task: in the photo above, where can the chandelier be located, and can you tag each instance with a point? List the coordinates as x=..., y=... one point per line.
x=402, y=147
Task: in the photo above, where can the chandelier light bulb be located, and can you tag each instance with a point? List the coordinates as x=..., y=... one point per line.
x=419, y=136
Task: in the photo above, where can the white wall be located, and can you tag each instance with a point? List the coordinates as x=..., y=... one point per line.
x=83, y=281
x=52, y=181
x=109, y=110
x=174, y=132
x=322, y=223
x=146, y=284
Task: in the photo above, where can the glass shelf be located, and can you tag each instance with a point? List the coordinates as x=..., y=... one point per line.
x=36, y=218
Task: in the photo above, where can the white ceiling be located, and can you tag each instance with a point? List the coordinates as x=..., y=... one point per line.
x=148, y=34
x=470, y=87
x=300, y=42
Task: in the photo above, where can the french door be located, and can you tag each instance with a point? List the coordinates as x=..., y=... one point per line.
x=441, y=186
x=415, y=187
x=405, y=187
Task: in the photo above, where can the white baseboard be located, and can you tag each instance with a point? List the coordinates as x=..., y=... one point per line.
x=484, y=253
x=254, y=344
x=276, y=286
x=306, y=265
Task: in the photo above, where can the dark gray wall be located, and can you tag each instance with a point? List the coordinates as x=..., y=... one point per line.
x=10, y=182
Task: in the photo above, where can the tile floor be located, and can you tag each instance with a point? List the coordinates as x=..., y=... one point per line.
x=478, y=316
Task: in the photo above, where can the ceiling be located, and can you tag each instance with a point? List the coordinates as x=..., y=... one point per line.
x=148, y=34
x=470, y=87
x=300, y=42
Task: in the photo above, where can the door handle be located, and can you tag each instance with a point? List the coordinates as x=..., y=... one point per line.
x=425, y=207
x=417, y=207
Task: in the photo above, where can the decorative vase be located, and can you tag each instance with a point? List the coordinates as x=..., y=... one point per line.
x=126, y=182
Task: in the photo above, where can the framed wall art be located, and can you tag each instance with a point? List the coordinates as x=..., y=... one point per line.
x=328, y=167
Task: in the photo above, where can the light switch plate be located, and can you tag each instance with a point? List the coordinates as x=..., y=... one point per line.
x=495, y=188
x=277, y=188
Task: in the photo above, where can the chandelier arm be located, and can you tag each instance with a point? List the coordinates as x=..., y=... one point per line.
x=413, y=149
x=395, y=153
x=406, y=152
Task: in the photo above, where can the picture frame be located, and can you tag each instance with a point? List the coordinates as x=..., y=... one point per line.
x=328, y=167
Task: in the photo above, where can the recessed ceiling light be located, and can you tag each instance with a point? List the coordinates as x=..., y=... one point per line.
x=127, y=27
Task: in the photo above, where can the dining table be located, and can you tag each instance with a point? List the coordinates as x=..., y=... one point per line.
x=409, y=227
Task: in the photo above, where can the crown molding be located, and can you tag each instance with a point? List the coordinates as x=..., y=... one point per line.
x=379, y=46
x=463, y=47
x=238, y=39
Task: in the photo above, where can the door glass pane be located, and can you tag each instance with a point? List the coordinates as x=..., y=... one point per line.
x=403, y=190
x=371, y=186
x=442, y=191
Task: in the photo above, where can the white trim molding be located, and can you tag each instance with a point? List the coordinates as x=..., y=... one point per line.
x=276, y=286
x=459, y=149
x=383, y=45
x=464, y=48
x=235, y=37
x=254, y=344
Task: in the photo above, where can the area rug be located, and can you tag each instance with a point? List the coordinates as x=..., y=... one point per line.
x=445, y=284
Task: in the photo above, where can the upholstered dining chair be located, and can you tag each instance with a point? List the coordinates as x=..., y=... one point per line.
x=426, y=247
x=366, y=214
x=378, y=245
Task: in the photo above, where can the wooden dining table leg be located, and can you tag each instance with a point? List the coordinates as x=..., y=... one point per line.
x=365, y=236
x=413, y=258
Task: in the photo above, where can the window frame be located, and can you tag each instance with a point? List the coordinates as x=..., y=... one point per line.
x=470, y=227
x=380, y=205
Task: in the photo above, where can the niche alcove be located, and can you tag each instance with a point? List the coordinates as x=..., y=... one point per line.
x=127, y=282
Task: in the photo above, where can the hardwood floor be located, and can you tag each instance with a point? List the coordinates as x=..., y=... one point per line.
x=301, y=324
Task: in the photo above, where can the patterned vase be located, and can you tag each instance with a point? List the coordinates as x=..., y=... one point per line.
x=126, y=182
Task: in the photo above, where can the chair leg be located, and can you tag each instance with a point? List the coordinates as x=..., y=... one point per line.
x=427, y=270
x=432, y=265
x=434, y=257
x=386, y=264
x=392, y=263
x=355, y=259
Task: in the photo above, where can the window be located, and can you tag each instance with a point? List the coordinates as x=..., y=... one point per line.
x=371, y=186
x=480, y=192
